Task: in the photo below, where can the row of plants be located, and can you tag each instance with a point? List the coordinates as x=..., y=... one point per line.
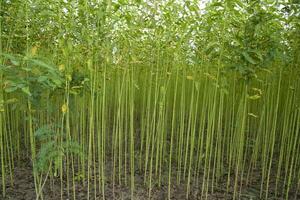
x=105, y=91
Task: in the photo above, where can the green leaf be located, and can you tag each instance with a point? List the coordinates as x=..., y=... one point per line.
x=43, y=133
x=43, y=64
x=27, y=69
x=10, y=101
x=217, y=4
x=12, y=59
x=210, y=47
x=11, y=89
x=26, y=90
x=249, y=58
x=57, y=81
x=257, y=54
x=41, y=79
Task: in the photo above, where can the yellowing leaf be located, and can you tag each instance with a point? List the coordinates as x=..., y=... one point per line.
x=266, y=70
x=33, y=50
x=254, y=97
x=76, y=87
x=64, y=108
x=257, y=90
x=210, y=76
x=69, y=77
x=90, y=64
x=252, y=115
x=190, y=77
x=13, y=100
x=61, y=67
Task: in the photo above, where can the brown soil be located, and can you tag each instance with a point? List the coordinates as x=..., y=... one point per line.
x=23, y=189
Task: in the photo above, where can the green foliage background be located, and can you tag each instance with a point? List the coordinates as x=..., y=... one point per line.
x=169, y=88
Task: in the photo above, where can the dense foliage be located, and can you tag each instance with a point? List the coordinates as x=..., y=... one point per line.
x=183, y=92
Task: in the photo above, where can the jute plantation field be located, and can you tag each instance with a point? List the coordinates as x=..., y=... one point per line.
x=149, y=99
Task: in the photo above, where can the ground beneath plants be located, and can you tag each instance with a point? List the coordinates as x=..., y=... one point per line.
x=23, y=189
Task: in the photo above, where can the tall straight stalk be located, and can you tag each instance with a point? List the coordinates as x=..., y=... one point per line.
x=3, y=177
